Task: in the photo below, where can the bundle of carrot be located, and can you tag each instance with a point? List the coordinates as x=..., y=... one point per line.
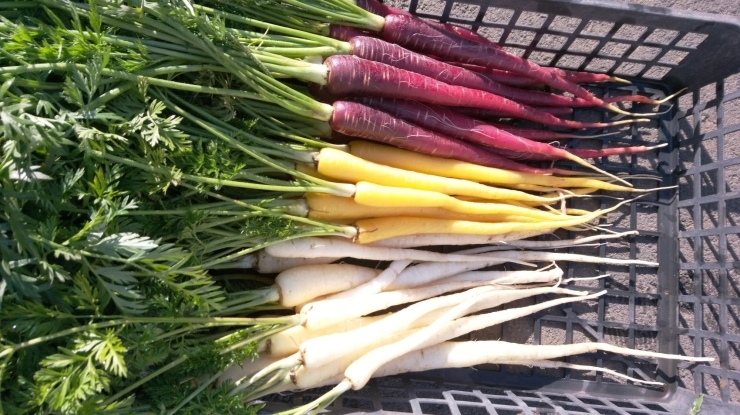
x=151, y=147
x=346, y=336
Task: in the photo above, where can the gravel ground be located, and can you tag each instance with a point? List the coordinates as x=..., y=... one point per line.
x=709, y=283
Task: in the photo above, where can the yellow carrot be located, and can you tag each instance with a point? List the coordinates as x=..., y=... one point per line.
x=371, y=230
x=345, y=210
x=408, y=160
x=371, y=194
x=344, y=166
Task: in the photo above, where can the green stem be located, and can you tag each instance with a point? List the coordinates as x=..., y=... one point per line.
x=214, y=123
x=266, y=389
x=43, y=67
x=321, y=402
x=332, y=188
x=256, y=338
x=276, y=28
x=339, y=230
x=107, y=96
x=353, y=16
x=226, y=259
x=211, y=321
x=208, y=180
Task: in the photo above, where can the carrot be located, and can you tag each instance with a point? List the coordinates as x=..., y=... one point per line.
x=523, y=81
x=333, y=208
x=312, y=247
x=483, y=114
x=466, y=354
x=321, y=350
x=442, y=239
x=402, y=159
x=304, y=283
x=542, y=135
x=323, y=313
x=416, y=35
x=265, y=263
x=358, y=120
x=370, y=194
x=457, y=125
x=497, y=75
x=288, y=341
x=370, y=230
x=378, y=50
x=350, y=75
x=350, y=168
x=582, y=153
x=380, y=9
x=359, y=372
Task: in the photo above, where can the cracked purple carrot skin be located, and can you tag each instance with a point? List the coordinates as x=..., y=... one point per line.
x=351, y=75
x=358, y=120
x=456, y=125
x=415, y=34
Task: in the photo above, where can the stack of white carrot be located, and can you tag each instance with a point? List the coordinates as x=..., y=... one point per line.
x=347, y=334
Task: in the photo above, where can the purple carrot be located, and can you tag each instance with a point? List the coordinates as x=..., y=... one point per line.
x=358, y=120
x=483, y=114
x=545, y=135
x=582, y=153
x=353, y=76
x=459, y=126
x=415, y=34
x=379, y=50
x=497, y=75
x=382, y=10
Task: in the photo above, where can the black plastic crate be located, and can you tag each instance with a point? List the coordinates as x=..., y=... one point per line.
x=689, y=305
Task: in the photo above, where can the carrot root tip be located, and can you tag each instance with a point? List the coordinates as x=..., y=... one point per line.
x=620, y=80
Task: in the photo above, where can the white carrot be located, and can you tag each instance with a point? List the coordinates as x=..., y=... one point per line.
x=265, y=263
x=375, y=285
x=466, y=354
x=441, y=330
x=434, y=239
x=304, y=283
x=305, y=377
x=324, y=313
x=567, y=243
x=288, y=341
x=555, y=256
x=321, y=350
x=504, y=277
x=312, y=247
x=424, y=273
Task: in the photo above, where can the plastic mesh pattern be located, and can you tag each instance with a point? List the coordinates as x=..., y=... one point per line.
x=709, y=134
x=423, y=396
